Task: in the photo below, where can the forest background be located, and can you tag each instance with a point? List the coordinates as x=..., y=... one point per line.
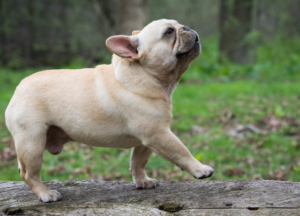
x=237, y=108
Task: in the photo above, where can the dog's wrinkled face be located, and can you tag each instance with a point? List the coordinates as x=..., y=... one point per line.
x=162, y=45
x=166, y=42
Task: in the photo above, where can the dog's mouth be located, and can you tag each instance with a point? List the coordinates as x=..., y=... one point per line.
x=186, y=53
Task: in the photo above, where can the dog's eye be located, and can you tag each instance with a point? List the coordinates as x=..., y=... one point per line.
x=169, y=31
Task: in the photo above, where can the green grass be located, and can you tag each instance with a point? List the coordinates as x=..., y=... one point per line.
x=266, y=91
x=257, y=156
x=268, y=156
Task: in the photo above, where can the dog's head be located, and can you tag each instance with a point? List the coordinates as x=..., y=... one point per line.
x=163, y=47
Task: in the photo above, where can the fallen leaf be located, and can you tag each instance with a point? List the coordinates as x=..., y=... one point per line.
x=7, y=154
x=154, y=173
x=234, y=172
x=197, y=130
x=278, y=175
x=8, y=141
x=78, y=170
x=57, y=169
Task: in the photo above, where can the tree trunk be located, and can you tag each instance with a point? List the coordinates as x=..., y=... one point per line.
x=225, y=198
x=235, y=24
x=106, y=15
x=132, y=15
x=120, y=16
x=28, y=50
x=2, y=35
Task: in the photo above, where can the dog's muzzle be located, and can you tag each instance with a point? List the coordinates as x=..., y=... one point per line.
x=196, y=43
x=186, y=28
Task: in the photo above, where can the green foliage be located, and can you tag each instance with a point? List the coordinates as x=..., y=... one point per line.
x=276, y=60
x=41, y=33
x=45, y=33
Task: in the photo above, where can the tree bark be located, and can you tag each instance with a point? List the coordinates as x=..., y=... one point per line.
x=181, y=198
x=2, y=35
x=28, y=51
x=235, y=24
x=121, y=16
x=106, y=15
x=132, y=15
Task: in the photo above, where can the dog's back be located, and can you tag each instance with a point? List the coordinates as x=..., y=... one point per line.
x=36, y=93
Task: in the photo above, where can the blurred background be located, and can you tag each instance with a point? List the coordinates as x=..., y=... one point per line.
x=237, y=108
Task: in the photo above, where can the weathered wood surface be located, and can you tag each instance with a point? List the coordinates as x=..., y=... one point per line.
x=195, y=198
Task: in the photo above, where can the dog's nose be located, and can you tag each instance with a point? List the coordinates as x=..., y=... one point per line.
x=197, y=38
x=186, y=28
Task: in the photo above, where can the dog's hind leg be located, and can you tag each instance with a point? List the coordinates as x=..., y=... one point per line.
x=30, y=148
x=19, y=166
x=138, y=160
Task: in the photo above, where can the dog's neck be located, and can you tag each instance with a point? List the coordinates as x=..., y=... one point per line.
x=135, y=78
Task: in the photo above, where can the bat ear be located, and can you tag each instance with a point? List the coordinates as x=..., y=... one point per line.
x=124, y=46
x=136, y=32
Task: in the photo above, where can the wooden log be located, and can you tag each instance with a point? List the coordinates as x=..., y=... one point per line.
x=170, y=198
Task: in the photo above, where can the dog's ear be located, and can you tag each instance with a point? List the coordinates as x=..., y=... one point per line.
x=124, y=46
x=136, y=32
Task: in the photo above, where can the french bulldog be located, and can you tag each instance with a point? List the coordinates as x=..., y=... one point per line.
x=126, y=104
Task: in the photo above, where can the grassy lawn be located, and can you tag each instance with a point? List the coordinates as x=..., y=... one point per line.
x=203, y=117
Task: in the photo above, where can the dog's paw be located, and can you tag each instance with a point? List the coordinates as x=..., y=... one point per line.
x=50, y=196
x=203, y=172
x=146, y=183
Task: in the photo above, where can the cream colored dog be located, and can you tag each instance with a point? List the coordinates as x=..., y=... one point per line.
x=126, y=104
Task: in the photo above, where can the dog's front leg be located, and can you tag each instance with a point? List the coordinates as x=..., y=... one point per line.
x=138, y=160
x=164, y=143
